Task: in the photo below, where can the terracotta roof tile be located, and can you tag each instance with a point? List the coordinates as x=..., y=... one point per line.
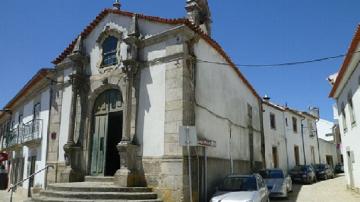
x=354, y=43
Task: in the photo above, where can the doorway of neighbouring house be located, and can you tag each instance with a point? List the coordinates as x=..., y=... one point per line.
x=297, y=155
x=350, y=167
x=275, y=157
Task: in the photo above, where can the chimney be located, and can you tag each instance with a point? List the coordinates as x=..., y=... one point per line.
x=266, y=98
x=117, y=5
x=315, y=111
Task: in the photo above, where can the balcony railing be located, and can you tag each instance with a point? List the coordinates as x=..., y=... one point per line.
x=24, y=133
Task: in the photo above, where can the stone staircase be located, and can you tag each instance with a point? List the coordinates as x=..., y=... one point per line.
x=95, y=189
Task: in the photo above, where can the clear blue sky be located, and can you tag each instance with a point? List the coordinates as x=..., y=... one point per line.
x=33, y=33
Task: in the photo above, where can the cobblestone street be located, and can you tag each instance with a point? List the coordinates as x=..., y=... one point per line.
x=332, y=190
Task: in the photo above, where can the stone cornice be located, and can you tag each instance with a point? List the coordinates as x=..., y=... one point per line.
x=182, y=29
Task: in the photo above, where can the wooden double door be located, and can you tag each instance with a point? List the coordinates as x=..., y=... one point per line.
x=107, y=133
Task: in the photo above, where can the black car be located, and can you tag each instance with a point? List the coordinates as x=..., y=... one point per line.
x=323, y=171
x=339, y=168
x=303, y=173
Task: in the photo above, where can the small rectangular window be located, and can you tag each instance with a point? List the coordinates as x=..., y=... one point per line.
x=351, y=108
x=343, y=116
x=37, y=109
x=272, y=121
x=294, y=124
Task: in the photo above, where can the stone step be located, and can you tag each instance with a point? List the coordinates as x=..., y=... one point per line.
x=100, y=195
x=49, y=199
x=94, y=187
x=98, y=179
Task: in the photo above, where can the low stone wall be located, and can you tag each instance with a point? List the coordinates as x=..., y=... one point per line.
x=169, y=176
x=166, y=177
x=54, y=174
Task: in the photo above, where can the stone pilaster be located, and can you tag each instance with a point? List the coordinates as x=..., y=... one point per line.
x=126, y=175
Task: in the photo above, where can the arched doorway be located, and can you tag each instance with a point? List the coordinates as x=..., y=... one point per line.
x=106, y=133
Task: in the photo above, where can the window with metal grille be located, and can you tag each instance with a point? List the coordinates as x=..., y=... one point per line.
x=109, y=48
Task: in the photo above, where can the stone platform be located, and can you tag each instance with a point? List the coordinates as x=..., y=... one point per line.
x=95, y=189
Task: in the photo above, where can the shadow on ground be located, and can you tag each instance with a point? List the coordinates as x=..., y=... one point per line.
x=293, y=196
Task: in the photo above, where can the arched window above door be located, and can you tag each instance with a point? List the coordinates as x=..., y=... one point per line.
x=109, y=43
x=109, y=50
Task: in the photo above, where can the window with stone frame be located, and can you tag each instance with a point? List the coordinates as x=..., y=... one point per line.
x=351, y=108
x=109, y=50
x=294, y=124
x=272, y=121
x=343, y=114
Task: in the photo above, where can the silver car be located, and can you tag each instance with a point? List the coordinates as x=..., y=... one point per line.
x=242, y=188
x=277, y=183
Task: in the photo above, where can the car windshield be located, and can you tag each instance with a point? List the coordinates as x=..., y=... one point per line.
x=247, y=183
x=299, y=168
x=319, y=166
x=271, y=174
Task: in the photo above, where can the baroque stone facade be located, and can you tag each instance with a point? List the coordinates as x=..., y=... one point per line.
x=125, y=85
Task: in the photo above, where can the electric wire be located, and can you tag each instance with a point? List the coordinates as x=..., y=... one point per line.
x=281, y=64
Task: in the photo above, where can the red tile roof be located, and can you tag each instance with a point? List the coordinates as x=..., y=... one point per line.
x=346, y=63
x=178, y=21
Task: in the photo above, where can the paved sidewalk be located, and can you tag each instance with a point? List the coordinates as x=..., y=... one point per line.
x=5, y=197
x=332, y=190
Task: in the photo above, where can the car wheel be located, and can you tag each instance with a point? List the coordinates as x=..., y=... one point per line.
x=291, y=189
x=325, y=177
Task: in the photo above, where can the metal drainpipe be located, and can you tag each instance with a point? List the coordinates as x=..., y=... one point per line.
x=302, y=135
x=230, y=155
x=262, y=132
x=286, y=146
x=317, y=138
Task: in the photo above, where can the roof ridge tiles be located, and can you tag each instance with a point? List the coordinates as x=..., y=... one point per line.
x=352, y=48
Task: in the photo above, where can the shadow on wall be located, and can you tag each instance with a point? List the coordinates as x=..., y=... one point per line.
x=143, y=107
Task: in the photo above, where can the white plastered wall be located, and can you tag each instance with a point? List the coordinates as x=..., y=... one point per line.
x=65, y=114
x=275, y=137
x=351, y=138
x=220, y=90
x=151, y=110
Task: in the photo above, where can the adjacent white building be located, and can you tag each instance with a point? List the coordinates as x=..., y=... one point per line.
x=276, y=151
x=325, y=129
x=291, y=138
x=346, y=92
x=328, y=152
x=25, y=131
